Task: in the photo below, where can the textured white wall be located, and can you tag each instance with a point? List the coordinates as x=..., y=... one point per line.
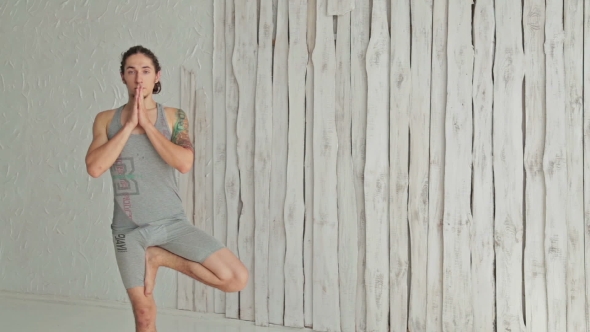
x=60, y=62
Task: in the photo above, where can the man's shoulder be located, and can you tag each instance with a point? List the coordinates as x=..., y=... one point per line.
x=103, y=118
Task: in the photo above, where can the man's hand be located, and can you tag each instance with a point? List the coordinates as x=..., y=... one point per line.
x=139, y=109
x=133, y=119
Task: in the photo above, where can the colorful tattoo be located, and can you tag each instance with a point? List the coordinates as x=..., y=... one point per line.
x=180, y=134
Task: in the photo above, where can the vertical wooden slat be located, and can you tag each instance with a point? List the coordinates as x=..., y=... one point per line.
x=326, y=306
x=421, y=22
x=377, y=170
x=555, y=168
x=437, y=162
x=482, y=246
x=359, y=41
x=508, y=165
x=232, y=175
x=202, y=294
x=309, y=184
x=586, y=123
x=278, y=176
x=244, y=63
x=294, y=199
x=341, y=7
x=401, y=88
x=347, y=215
x=574, y=53
x=219, y=136
x=457, y=279
x=534, y=254
x=262, y=163
x=185, y=298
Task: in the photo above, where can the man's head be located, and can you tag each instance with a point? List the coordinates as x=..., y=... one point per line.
x=140, y=66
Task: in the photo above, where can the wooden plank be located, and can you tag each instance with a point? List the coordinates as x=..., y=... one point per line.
x=574, y=54
x=262, y=163
x=586, y=124
x=457, y=281
x=399, y=152
x=421, y=22
x=482, y=246
x=534, y=254
x=219, y=137
x=244, y=63
x=508, y=165
x=294, y=199
x=308, y=230
x=437, y=166
x=326, y=306
x=340, y=7
x=359, y=41
x=377, y=170
x=232, y=174
x=202, y=138
x=555, y=168
x=185, y=296
x=347, y=214
x=278, y=176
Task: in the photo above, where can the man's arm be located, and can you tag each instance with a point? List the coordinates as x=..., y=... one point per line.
x=103, y=152
x=178, y=152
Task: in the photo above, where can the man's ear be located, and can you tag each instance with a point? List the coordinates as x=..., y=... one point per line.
x=158, y=76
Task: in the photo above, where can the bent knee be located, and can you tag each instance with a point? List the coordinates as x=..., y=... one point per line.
x=145, y=316
x=236, y=282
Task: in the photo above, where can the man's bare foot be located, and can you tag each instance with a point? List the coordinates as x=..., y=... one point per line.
x=153, y=261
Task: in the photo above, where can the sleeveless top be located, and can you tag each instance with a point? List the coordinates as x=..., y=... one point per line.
x=145, y=187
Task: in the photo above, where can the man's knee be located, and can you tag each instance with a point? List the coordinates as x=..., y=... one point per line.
x=236, y=281
x=145, y=316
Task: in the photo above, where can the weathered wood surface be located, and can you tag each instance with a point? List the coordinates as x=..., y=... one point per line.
x=232, y=175
x=244, y=63
x=555, y=167
x=262, y=164
x=508, y=165
x=341, y=7
x=400, y=92
x=586, y=124
x=326, y=306
x=278, y=176
x=377, y=171
x=482, y=245
x=219, y=136
x=294, y=200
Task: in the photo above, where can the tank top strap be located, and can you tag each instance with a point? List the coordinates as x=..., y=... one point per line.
x=162, y=122
x=115, y=124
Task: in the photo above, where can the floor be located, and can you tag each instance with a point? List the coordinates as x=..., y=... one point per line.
x=25, y=313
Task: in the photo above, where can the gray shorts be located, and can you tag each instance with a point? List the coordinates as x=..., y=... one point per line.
x=179, y=237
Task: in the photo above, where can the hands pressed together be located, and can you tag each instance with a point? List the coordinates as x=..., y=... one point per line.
x=138, y=116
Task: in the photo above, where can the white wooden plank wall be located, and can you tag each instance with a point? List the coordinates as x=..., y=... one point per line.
x=294, y=200
x=573, y=54
x=534, y=255
x=399, y=150
x=219, y=137
x=326, y=308
x=482, y=245
x=263, y=124
x=396, y=173
x=377, y=171
x=421, y=23
x=278, y=176
x=555, y=168
x=347, y=215
x=232, y=175
x=458, y=303
x=185, y=288
x=438, y=105
x=244, y=64
x=508, y=165
x=359, y=41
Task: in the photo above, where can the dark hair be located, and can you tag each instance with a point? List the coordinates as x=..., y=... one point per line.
x=140, y=49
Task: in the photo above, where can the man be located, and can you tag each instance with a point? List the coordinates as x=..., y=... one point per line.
x=143, y=144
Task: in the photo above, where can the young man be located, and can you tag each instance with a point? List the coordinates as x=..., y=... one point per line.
x=143, y=144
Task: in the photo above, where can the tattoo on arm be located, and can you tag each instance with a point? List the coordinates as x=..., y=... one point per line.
x=180, y=134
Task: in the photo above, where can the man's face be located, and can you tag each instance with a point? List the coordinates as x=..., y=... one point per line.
x=139, y=69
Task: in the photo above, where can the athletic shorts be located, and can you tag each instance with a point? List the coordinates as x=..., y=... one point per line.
x=179, y=237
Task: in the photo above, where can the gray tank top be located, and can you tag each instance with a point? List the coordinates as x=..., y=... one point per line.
x=145, y=187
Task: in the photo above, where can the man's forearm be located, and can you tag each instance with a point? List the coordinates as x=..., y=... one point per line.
x=174, y=155
x=102, y=158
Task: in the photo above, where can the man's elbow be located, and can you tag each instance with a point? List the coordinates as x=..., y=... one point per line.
x=94, y=171
x=187, y=165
